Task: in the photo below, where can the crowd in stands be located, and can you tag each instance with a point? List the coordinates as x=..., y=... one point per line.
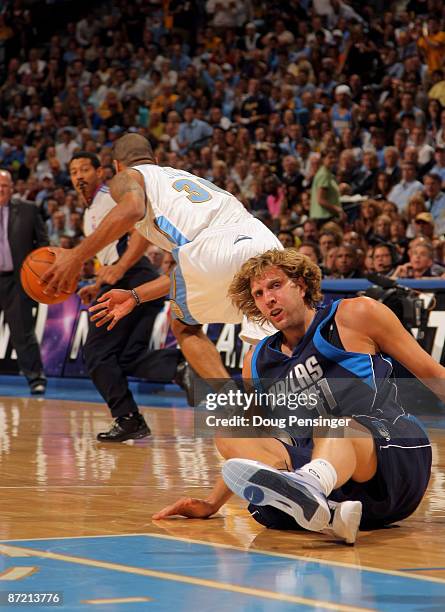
x=326, y=118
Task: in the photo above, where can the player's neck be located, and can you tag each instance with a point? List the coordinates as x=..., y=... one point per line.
x=143, y=162
x=294, y=333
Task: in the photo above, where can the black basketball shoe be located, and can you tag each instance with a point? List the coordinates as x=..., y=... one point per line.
x=128, y=427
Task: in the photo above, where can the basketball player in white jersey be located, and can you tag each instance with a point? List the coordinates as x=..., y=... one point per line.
x=209, y=233
x=110, y=357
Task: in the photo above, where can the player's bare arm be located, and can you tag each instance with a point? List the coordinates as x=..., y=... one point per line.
x=116, y=304
x=126, y=189
x=191, y=507
x=375, y=325
x=137, y=245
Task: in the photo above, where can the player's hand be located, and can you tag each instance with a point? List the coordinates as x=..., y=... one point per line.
x=112, y=306
x=88, y=294
x=110, y=275
x=60, y=275
x=189, y=507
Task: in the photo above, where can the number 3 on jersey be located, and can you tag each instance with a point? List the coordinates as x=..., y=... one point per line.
x=196, y=193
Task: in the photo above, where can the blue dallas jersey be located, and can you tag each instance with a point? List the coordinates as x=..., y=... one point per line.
x=344, y=383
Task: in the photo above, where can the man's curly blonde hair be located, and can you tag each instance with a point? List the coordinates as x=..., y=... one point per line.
x=293, y=264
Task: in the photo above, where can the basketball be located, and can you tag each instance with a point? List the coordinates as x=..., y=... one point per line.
x=33, y=268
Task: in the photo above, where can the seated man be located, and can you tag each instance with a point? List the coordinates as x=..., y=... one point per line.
x=374, y=475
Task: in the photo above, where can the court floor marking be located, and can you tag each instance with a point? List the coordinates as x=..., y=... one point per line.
x=203, y=582
x=367, y=568
x=422, y=569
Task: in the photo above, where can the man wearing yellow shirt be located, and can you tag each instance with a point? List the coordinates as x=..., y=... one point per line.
x=432, y=46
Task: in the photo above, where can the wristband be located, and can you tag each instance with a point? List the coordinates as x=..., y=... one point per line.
x=137, y=299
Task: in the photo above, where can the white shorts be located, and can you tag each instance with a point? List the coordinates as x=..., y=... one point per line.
x=206, y=267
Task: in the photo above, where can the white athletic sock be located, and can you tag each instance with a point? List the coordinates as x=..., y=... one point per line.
x=324, y=473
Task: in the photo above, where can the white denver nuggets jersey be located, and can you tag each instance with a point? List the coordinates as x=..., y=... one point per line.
x=100, y=207
x=181, y=205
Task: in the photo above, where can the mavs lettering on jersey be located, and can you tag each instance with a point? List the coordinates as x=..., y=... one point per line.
x=346, y=383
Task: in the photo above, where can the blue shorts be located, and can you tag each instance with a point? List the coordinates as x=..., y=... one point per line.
x=403, y=472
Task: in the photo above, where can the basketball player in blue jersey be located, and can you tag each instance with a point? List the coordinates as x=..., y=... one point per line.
x=207, y=230
x=378, y=471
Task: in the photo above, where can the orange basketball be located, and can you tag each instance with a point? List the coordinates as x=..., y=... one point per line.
x=34, y=266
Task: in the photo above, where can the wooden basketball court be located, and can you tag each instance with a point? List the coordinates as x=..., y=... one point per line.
x=76, y=517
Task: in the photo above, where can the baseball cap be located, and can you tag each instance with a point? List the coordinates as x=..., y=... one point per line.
x=343, y=89
x=426, y=217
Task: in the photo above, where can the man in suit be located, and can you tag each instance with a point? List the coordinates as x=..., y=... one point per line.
x=21, y=231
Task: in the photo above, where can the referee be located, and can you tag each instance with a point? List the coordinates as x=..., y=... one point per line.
x=112, y=356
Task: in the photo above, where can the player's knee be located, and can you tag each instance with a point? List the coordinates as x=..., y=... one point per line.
x=227, y=447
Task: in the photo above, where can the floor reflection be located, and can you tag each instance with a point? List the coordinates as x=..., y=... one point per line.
x=57, y=481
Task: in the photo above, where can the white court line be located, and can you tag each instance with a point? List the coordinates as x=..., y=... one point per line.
x=365, y=568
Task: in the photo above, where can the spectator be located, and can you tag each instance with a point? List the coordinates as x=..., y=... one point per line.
x=193, y=131
x=58, y=227
x=346, y=262
x=65, y=149
x=325, y=195
x=435, y=200
x=424, y=225
x=383, y=186
x=343, y=111
x=310, y=231
x=409, y=185
x=384, y=259
x=275, y=196
x=369, y=211
x=439, y=167
x=391, y=164
x=327, y=241
x=311, y=250
x=382, y=229
x=421, y=263
x=328, y=263
x=432, y=45
x=370, y=170
x=368, y=264
x=286, y=238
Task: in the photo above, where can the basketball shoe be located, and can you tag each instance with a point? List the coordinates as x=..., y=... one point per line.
x=296, y=494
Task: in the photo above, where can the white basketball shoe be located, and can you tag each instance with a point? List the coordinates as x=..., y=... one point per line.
x=296, y=494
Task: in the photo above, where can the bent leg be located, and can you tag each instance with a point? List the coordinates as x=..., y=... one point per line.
x=199, y=351
x=266, y=450
x=353, y=456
